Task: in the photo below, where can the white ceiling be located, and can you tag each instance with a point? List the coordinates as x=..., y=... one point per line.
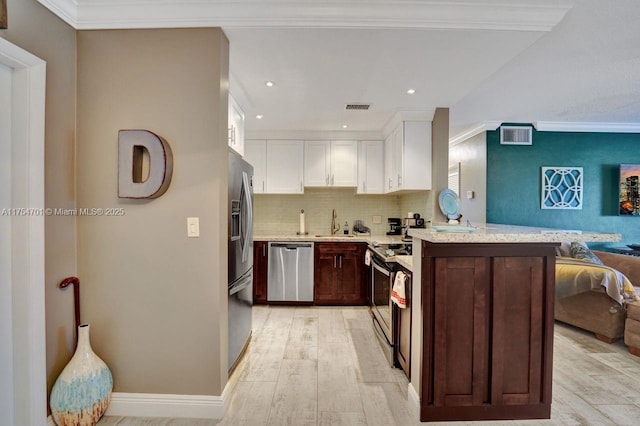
x=512, y=61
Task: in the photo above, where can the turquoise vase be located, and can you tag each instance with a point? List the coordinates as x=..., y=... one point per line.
x=82, y=392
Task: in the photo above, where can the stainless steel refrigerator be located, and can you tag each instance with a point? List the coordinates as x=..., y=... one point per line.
x=240, y=255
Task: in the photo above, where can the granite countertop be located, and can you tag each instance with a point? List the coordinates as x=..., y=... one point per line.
x=360, y=238
x=406, y=261
x=495, y=233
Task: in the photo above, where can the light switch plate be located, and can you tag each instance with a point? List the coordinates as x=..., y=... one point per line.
x=470, y=195
x=193, y=227
x=376, y=219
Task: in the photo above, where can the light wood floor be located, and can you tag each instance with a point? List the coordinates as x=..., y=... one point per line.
x=323, y=366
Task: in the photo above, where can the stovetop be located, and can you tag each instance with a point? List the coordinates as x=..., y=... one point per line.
x=390, y=250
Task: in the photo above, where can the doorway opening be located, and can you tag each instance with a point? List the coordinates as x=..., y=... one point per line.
x=22, y=85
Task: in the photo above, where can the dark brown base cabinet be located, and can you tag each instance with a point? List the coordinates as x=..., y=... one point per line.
x=338, y=274
x=487, y=331
x=260, y=265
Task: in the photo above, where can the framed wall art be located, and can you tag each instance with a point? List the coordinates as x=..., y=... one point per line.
x=561, y=188
x=3, y=15
x=629, y=198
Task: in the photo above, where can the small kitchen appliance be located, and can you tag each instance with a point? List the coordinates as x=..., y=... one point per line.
x=395, y=226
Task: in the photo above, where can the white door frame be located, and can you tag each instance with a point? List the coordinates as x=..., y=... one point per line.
x=27, y=233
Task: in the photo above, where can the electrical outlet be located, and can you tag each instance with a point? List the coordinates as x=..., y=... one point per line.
x=376, y=219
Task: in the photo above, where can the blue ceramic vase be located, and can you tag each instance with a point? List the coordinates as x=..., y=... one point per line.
x=82, y=392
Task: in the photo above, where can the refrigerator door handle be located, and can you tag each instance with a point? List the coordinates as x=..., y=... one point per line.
x=249, y=219
x=241, y=284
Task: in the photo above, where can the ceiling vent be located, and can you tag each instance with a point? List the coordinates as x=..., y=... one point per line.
x=516, y=135
x=357, y=107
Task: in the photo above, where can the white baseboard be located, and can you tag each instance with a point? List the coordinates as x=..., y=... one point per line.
x=168, y=405
x=414, y=401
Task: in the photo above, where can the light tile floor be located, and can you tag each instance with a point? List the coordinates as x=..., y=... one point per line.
x=323, y=366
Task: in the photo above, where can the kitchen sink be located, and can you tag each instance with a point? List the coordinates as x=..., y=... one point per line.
x=335, y=236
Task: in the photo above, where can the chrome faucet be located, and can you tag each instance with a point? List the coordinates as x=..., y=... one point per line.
x=334, y=225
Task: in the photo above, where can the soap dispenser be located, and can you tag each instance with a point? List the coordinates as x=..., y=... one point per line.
x=346, y=228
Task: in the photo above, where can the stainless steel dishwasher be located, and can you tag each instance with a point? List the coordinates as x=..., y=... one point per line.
x=290, y=272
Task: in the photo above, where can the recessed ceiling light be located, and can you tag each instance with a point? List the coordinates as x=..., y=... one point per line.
x=411, y=91
x=269, y=83
x=344, y=126
x=259, y=116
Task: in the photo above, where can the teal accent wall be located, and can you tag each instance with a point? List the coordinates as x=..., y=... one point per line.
x=514, y=181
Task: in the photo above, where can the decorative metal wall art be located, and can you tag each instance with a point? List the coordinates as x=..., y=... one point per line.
x=562, y=188
x=137, y=177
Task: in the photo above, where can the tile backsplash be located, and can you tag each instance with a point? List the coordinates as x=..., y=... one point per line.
x=280, y=214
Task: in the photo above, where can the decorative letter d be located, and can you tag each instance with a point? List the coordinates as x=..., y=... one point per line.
x=132, y=145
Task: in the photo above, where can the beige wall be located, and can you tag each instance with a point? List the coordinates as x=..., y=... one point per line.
x=440, y=158
x=472, y=156
x=33, y=28
x=156, y=300
x=280, y=214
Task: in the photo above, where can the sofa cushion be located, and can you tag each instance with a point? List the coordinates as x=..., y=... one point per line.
x=633, y=310
x=628, y=265
x=632, y=333
x=581, y=251
x=564, y=249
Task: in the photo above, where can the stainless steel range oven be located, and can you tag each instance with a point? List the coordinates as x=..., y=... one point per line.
x=382, y=275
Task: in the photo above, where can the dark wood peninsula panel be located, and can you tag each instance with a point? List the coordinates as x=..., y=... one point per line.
x=487, y=330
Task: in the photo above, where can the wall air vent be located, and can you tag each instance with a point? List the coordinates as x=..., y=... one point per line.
x=516, y=135
x=357, y=107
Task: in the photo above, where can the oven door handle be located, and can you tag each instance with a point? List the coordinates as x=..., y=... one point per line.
x=380, y=268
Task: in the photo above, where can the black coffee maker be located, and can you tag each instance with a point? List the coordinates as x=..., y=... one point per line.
x=395, y=226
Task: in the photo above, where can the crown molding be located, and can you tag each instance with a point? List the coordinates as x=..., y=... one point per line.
x=473, y=131
x=67, y=10
x=568, y=126
x=538, y=15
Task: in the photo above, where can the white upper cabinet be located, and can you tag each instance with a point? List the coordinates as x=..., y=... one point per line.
x=317, y=163
x=390, y=152
x=408, y=157
x=331, y=163
x=344, y=163
x=277, y=166
x=255, y=153
x=370, y=167
x=285, y=167
x=235, y=135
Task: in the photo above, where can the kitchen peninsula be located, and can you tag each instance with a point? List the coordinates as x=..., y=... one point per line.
x=486, y=325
